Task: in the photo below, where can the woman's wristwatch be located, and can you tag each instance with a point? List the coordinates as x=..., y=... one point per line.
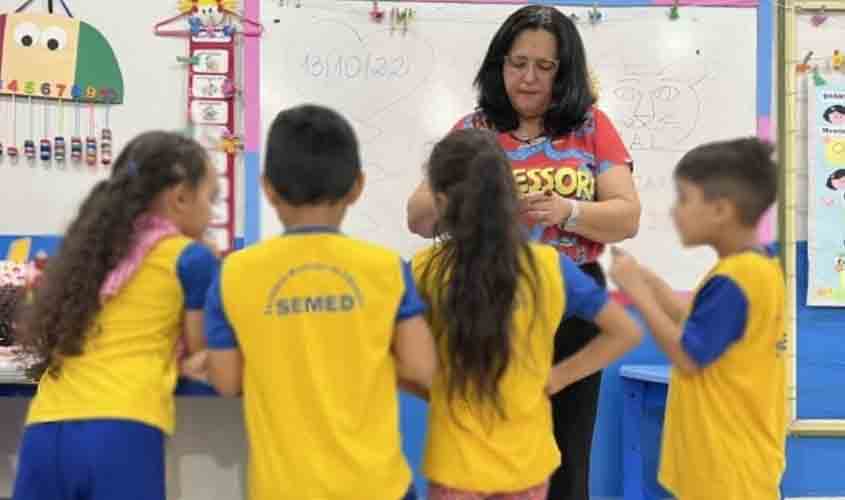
x=572, y=221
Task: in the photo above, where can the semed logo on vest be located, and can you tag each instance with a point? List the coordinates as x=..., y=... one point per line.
x=342, y=294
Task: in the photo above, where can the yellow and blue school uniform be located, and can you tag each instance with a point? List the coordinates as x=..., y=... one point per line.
x=725, y=428
x=471, y=448
x=97, y=428
x=313, y=313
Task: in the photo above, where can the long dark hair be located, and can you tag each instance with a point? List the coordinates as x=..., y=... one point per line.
x=68, y=297
x=572, y=94
x=474, y=272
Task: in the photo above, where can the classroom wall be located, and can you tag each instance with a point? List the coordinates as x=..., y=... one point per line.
x=207, y=455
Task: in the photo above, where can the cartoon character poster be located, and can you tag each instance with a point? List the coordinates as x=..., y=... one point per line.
x=826, y=224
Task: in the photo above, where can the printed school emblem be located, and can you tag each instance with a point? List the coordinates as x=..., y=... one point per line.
x=314, y=289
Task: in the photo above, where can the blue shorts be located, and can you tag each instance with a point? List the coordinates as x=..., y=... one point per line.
x=91, y=460
x=411, y=494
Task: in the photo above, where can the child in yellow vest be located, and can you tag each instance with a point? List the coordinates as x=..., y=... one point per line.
x=496, y=301
x=725, y=426
x=317, y=327
x=129, y=279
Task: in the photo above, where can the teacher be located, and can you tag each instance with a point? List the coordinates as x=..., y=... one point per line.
x=575, y=177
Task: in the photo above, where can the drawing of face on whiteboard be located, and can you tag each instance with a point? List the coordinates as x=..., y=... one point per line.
x=655, y=109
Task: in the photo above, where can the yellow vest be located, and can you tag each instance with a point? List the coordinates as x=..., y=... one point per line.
x=473, y=448
x=314, y=317
x=725, y=427
x=127, y=369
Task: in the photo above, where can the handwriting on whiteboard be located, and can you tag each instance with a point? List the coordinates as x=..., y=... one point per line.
x=360, y=70
x=352, y=66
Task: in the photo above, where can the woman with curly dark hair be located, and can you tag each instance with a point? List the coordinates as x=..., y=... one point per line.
x=101, y=334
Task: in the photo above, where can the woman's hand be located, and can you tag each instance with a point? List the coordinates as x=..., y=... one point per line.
x=547, y=208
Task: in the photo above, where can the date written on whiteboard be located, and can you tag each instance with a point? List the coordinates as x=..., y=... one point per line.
x=353, y=67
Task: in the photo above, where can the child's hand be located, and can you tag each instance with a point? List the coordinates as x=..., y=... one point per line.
x=195, y=366
x=624, y=269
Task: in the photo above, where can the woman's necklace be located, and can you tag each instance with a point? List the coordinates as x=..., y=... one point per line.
x=526, y=140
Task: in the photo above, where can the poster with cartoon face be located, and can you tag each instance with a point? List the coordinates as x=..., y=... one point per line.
x=826, y=215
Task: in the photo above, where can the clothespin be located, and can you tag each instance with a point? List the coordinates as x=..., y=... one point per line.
x=817, y=78
x=837, y=61
x=191, y=60
x=230, y=89
x=400, y=19
x=230, y=143
x=674, y=15
x=407, y=15
x=376, y=14
x=394, y=15
x=195, y=24
x=594, y=15
x=805, y=65
x=819, y=19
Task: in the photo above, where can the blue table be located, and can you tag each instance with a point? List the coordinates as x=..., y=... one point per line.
x=645, y=388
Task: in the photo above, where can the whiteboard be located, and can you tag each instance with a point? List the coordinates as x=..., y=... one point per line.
x=41, y=198
x=667, y=85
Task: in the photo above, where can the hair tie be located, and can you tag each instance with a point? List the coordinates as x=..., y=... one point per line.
x=132, y=168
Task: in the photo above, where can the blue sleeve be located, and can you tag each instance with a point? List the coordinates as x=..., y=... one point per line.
x=411, y=305
x=218, y=332
x=584, y=297
x=718, y=317
x=772, y=249
x=196, y=267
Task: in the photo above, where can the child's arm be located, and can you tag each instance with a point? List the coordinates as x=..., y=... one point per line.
x=196, y=268
x=416, y=359
x=716, y=321
x=225, y=362
x=619, y=333
x=225, y=371
x=193, y=332
x=413, y=344
x=675, y=306
x=417, y=390
x=421, y=213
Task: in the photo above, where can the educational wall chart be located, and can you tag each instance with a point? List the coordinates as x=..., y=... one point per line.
x=50, y=62
x=212, y=28
x=826, y=194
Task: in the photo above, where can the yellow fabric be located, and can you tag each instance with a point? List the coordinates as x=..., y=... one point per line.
x=470, y=447
x=127, y=370
x=725, y=426
x=314, y=316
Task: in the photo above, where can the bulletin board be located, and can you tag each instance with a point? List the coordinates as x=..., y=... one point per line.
x=808, y=34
